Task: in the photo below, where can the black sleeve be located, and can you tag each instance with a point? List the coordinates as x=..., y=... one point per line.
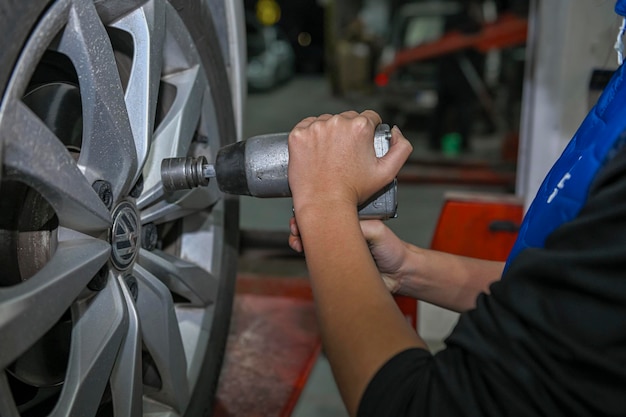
x=550, y=339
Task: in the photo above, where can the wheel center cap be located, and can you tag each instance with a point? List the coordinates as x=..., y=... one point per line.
x=125, y=235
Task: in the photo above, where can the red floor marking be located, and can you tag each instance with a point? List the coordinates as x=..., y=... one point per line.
x=273, y=344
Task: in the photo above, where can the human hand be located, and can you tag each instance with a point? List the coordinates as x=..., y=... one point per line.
x=332, y=161
x=388, y=251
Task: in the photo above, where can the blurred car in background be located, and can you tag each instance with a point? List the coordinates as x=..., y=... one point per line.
x=412, y=89
x=271, y=59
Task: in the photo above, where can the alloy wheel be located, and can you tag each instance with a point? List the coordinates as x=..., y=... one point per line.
x=112, y=288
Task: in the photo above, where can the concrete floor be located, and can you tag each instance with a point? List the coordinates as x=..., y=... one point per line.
x=419, y=206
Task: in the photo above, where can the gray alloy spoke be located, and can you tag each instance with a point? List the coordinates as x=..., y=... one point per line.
x=147, y=26
x=7, y=405
x=100, y=324
x=199, y=231
x=180, y=276
x=163, y=211
x=67, y=235
x=126, y=382
x=51, y=23
x=37, y=157
x=175, y=133
x=161, y=336
x=181, y=204
x=108, y=149
x=29, y=309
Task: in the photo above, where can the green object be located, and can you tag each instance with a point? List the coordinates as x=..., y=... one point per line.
x=451, y=144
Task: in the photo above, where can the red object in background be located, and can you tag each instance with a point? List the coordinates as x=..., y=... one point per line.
x=408, y=307
x=478, y=225
x=455, y=172
x=509, y=30
x=381, y=79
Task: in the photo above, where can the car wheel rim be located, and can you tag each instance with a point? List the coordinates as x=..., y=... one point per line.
x=109, y=301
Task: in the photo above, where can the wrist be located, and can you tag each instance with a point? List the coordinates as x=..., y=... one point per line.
x=305, y=209
x=410, y=281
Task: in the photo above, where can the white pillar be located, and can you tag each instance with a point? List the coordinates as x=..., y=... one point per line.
x=567, y=40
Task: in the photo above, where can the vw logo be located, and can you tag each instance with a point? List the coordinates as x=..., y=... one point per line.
x=124, y=235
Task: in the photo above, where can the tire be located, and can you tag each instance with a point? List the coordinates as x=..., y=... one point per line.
x=115, y=297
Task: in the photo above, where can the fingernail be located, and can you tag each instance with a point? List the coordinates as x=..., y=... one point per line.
x=397, y=129
x=293, y=229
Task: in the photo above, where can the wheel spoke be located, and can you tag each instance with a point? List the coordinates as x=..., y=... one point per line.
x=108, y=149
x=37, y=157
x=51, y=23
x=175, y=133
x=126, y=382
x=161, y=336
x=147, y=26
x=181, y=277
x=181, y=204
x=29, y=309
x=100, y=324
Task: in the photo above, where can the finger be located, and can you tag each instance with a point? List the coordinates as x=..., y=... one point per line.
x=293, y=227
x=399, y=150
x=349, y=114
x=373, y=117
x=306, y=122
x=295, y=243
x=320, y=120
x=392, y=285
x=372, y=230
x=294, y=236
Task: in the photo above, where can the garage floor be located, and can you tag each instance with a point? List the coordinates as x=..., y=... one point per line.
x=419, y=206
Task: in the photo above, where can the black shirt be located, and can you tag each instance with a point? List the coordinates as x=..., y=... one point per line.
x=550, y=339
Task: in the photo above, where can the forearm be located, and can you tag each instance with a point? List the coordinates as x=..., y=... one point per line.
x=361, y=326
x=450, y=281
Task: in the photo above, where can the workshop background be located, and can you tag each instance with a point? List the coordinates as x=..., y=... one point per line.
x=460, y=109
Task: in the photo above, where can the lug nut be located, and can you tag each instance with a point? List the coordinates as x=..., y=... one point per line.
x=104, y=191
x=99, y=281
x=149, y=236
x=133, y=288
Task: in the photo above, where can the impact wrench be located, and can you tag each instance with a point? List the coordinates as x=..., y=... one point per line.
x=258, y=167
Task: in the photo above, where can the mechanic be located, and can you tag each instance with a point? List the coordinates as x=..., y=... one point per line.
x=542, y=335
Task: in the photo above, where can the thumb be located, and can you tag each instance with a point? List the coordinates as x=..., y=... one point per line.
x=399, y=150
x=373, y=230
